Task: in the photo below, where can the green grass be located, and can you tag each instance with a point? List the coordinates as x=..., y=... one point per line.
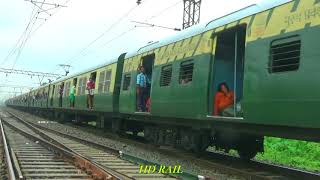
x=294, y=153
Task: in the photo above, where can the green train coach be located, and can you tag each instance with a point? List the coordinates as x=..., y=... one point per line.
x=267, y=54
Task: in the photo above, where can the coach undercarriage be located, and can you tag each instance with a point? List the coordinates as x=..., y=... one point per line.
x=198, y=140
x=193, y=139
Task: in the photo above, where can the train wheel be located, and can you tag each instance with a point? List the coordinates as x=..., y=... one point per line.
x=247, y=153
x=186, y=143
x=185, y=137
x=249, y=146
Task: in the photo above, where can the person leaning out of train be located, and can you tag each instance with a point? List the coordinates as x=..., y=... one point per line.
x=223, y=100
x=72, y=96
x=90, y=88
x=141, y=89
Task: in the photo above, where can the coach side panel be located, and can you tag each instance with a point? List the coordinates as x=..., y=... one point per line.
x=282, y=66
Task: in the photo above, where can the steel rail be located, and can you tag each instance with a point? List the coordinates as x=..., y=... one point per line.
x=110, y=171
x=39, y=130
x=59, y=144
x=96, y=171
x=7, y=154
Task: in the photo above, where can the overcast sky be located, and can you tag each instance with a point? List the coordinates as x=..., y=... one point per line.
x=71, y=29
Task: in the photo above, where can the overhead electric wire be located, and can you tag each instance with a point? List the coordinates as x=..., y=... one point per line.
x=75, y=57
x=116, y=37
x=101, y=35
x=120, y=35
x=66, y=2
x=14, y=48
x=154, y=25
x=22, y=45
x=153, y=16
x=164, y=10
x=125, y=32
x=26, y=35
x=32, y=32
x=145, y=22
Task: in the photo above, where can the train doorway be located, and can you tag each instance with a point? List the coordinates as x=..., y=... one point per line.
x=143, y=96
x=93, y=76
x=52, y=94
x=228, y=69
x=75, y=80
x=91, y=90
x=72, y=92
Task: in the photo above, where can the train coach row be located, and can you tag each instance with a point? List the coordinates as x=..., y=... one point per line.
x=266, y=53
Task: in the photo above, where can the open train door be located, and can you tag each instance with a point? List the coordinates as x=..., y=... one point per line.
x=147, y=62
x=228, y=67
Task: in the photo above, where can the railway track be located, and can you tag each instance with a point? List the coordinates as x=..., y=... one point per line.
x=33, y=161
x=108, y=161
x=223, y=163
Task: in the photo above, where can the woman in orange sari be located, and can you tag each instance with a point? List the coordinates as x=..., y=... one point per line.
x=223, y=99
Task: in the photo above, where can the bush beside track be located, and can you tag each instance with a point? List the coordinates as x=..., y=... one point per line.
x=293, y=153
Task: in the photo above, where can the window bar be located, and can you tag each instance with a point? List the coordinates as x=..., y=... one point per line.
x=235, y=73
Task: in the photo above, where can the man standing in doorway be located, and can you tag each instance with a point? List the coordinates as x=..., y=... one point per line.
x=72, y=96
x=90, y=88
x=61, y=94
x=141, y=90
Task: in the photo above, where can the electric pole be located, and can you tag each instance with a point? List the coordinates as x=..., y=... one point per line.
x=191, y=13
x=65, y=67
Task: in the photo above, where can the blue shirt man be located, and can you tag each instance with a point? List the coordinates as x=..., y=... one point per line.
x=141, y=79
x=141, y=90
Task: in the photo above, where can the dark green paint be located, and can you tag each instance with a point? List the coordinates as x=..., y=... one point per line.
x=288, y=98
x=182, y=100
x=295, y=5
x=269, y=16
x=127, y=99
x=117, y=84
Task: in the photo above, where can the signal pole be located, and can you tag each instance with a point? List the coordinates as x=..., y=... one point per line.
x=191, y=13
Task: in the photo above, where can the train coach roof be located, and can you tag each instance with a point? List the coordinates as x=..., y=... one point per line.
x=203, y=27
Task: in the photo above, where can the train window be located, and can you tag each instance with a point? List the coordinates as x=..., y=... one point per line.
x=107, y=81
x=80, y=86
x=57, y=90
x=104, y=81
x=67, y=89
x=285, y=54
x=166, y=73
x=101, y=81
x=83, y=88
x=126, y=82
x=186, y=72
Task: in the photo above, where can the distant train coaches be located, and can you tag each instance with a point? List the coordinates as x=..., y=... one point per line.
x=227, y=83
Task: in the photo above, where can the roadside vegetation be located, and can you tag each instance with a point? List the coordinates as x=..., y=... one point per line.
x=293, y=153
